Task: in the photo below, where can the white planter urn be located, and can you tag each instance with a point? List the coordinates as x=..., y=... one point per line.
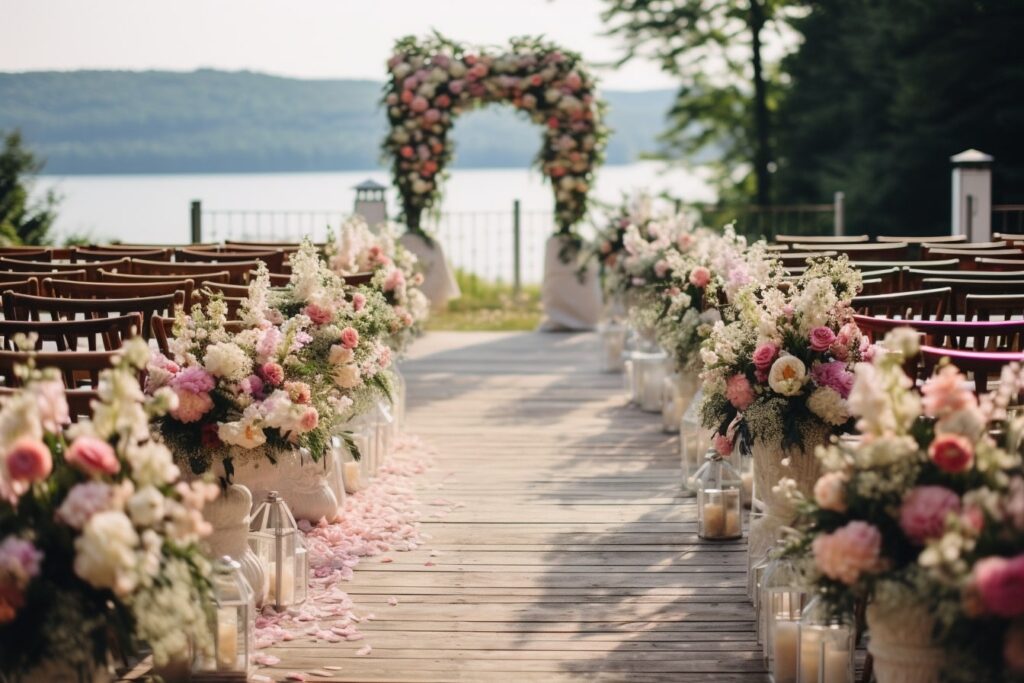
x=678, y=391
x=902, y=646
x=302, y=482
x=229, y=517
x=803, y=467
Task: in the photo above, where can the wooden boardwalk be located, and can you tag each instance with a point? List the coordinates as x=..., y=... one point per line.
x=573, y=557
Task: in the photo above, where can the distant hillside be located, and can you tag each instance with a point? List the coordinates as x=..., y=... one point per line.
x=216, y=121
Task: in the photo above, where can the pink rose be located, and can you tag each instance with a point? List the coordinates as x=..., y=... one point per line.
x=700, y=276
x=951, y=453
x=309, y=420
x=848, y=552
x=924, y=511
x=272, y=373
x=1000, y=585
x=28, y=460
x=834, y=375
x=191, y=405
x=350, y=337
x=320, y=315
x=358, y=301
x=394, y=280
x=739, y=392
x=822, y=338
x=685, y=241
x=92, y=456
x=723, y=445
x=764, y=355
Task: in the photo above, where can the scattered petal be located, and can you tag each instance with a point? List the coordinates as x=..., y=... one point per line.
x=267, y=660
x=392, y=601
x=363, y=651
x=295, y=676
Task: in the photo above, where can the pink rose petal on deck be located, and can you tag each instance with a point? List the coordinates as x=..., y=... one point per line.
x=267, y=660
x=392, y=601
x=295, y=676
x=363, y=651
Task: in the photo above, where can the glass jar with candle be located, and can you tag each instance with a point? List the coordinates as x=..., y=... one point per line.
x=233, y=625
x=385, y=429
x=825, y=645
x=718, y=499
x=649, y=375
x=613, y=346
x=782, y=601
x=694, y=441
x=276, y=539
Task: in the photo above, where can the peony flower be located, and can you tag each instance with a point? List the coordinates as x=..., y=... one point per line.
x=273, y=373
x=28, y=460
x=105, y=553
x=350, y=337
x=924, y=511
x=252, y=385
x=723, y=445
x=830, y=491
x=848, y=552
x=999, y=583
x=298, y=392
x=764, y=355
x=309, y=420
x=191, y=406
x=347, y=376
x=739, y=392
x=395, y=280
x=946, y=392
x=835, y=376
x=20, y=562
x=700, y=276
x=951, y=453
x=829, y=405
x=83, y=501
x=787, y=375
x=92, y=456
x=321, y=315
x=821, y=338
x=661, y=268
x=193, y=379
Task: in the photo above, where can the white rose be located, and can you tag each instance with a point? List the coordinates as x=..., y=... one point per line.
x=146, y=507
x=227, y=360
x=347, y=376
x=244, y=433
x=105, y=552
x=827, y=404
x=787, y=375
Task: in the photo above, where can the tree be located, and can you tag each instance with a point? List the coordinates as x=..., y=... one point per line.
x=22, y=221
x=724, y=106
x=883, y=93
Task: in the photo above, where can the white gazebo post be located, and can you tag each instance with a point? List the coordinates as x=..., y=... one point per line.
x=972, y=195
x=370, y=202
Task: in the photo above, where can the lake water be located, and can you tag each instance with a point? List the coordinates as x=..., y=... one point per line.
x=476, y=229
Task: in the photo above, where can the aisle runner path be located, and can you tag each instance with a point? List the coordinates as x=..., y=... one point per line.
x=557, y=548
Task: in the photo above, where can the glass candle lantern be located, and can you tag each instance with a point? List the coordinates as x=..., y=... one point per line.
x=613, y=346
x=781, y=604
x=233, y=625
x=385, y=423
x=648, y=377
x=275, y=538
x=672, y=407
x=825, y=646
x=719, y=508
x=755, y=582
x=693, y=444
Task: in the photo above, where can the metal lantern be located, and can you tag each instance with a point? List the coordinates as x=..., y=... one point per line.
x=782, y=601
x=613, y=345
x=825, y=646
x=233, y=625
x=719, y=508
x=275, y=538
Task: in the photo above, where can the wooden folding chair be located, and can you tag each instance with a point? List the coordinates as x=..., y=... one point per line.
x=198, y=280
x=923, y=239
x=26, y=286
x=894, y=251
x=79, y=369
x=28, y=307
x=101, y=334
x=926, y=304
x=16, y=276
x=274, y=258
x=90, y=269
x=998, y=264
x=81, y=254
x=821, y=239
x=1002, y=336
x=961, y=287
x=34, y=254
x=117, y=290
x=800, y=258
x=968, y=257
x=987, y=306
x=979, y=365
x=238, y=271
x=884, y=281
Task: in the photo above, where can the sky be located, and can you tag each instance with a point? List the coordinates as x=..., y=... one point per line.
x=299, y=38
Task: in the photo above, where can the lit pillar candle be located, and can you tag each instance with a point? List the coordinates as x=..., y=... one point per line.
x=784, y=648
x=227, y=639
x=287, y=583
x=837, y=665
x=714, y=520
x=810, y=653
x=351, y=475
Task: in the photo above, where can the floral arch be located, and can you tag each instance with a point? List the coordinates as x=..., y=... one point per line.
x=433, y=80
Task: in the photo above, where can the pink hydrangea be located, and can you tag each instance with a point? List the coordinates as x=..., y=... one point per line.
x=848, y=552
x=999, y=583
x=27, y=460
x=835, y=376
x=191, y=406
x=273, y=373
x=700, y=276
x=92, y=456
x=83, y=501
x=266, y=345
x=739, y=392
x=821, y=338
x=350, y=337
x=764, y=355
x=924, y=511
x=194, y=379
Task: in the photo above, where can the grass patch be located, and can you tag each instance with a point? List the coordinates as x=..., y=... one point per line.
x=489, y=306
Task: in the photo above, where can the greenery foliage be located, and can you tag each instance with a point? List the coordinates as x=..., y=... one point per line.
x=22, y=221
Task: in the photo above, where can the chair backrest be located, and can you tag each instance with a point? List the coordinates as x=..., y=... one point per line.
x=117, y=290
x=79, y=400
x=961, y=287
x=883, y=281
x=37, y=254
x=28, y=307
x=198, y=280
x=241, y=291
x=91, y=270
x=78, y=369
x=1005, y=336
x=968, y=257
x=87, y=255
x=980, y=365
x=926, y=304
x=799, y=258
x=163, y=330
x=923, y=239
x=26, y=286
x=286, y=247
x=967, y=246
x=274, y=258
x=987, y=306
x=913, y=277
x=364, y=279
x=821, y=239
x=238, y=271
x=894, y=251
x=999, y=264
x=100, y=334
x=21, y=276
